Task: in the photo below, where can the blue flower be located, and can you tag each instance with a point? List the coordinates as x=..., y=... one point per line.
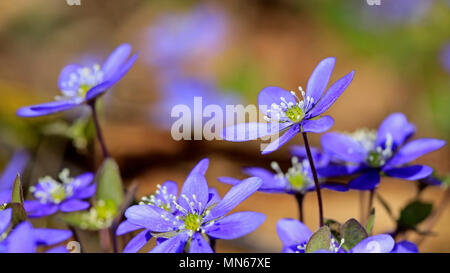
x=295, y=235
x=198, y=215
x=175, y=38
x=382, y=152
x=52, y=196
x=285, y=111
x=297, y=180
x=80, y=84
x=23, y=238
x=16, y=165
x=405, y=247
x=163, y=198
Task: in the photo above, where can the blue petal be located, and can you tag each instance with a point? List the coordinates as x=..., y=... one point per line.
x=229, y=180
x=369, y=180
x=86, y=192
x=321, y=159
x=73, y=205
x=21, y=239
x=171, y=187
x=343, y=147
x=318, y=81
x=116, y=60
x=397, y=126
x=271, y=183
x=15, y=165
x=45, y=108
x=65, y=75
x=201, y=167
x=82, y=181
x=234, y=197
x=102, y=87
x=405, y=247
x=235, y=225
x=415, y=149
x=5, y=219
x=150, y=217
x=320, y=125
x=273, y=94
x=5, y=196
x=58, y=249
x=333, y=170
x=137, y=242
x=380, y=243
x=292, y=232
x=252, y=130
x=126, y=227
x=35, y=209
x=195, y=189
x=331, y=95
x=283, y=139
x=175, y=244
x=213, y=197
x=199, y=244
x=46, y=237
x=334, y=186
x=412, y=173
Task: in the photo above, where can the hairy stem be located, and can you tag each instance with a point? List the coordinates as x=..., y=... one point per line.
x=316, y=179
x=98, y=130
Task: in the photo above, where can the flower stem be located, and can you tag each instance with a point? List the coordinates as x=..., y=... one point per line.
x=371, y=195
x=299, y=197
x=316, y=179
x=98, y=129
x=212, y=242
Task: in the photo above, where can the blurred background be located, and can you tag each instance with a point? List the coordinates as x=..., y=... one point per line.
x=226, y=52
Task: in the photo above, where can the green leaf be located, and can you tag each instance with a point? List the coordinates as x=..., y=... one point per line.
x=352, y=232
x=109, y=183
x=370, y=222
x=319, y=240
x=414, y=213
x=17, y=193
x=335, y=228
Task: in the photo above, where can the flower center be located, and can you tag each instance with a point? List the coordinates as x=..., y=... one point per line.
x=193, y=222
x=376, y=155
x=290, y=111
x=80, y=82
x=161, y=199
x=49, y=190
x=297, y=175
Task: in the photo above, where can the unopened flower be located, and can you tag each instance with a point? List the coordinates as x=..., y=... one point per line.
x=66, y=196
x=295, y=236
x=286, y=112
x=81, y=84
x=385, y=151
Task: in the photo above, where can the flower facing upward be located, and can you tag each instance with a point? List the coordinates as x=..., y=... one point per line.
x=382, y=152
x=285, y=111
x=23, y=238
x=79, y=84
x=165, y=198
x=67, y=196
x=197, y=216
x=295, y=235
x=297, y=180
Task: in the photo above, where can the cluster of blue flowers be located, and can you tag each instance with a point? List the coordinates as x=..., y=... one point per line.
x=191, y=220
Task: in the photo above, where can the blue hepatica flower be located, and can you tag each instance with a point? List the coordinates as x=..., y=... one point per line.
x=405, y=247
x=285, y=111
x=80, y=84
x=177, y=37
x=16, y=165
x=197, y=216
x=66, y=196
x=23, y=238
x=382, y=152
x=295, y=235
x=297, y=180
x=164, y=198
